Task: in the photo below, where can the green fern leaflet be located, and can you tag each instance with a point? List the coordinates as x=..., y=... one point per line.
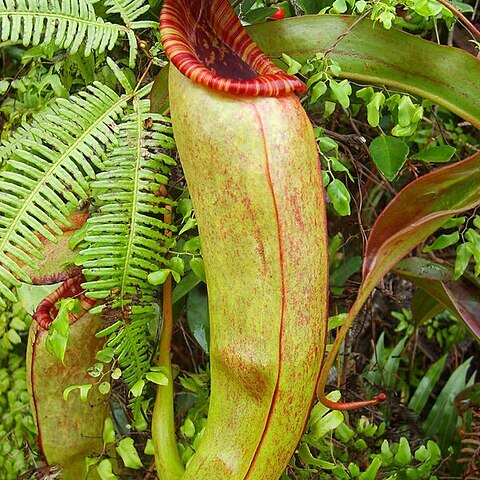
x=69, y=24
x=47, y=174
x=127, y=238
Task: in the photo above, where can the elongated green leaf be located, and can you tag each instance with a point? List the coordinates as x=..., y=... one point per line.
x=159, y=94
x=197, y=315
x=387, y=367
x=426, y=385
x=442, y=153
x=187, y=284
x=461, y=297
x=442, y=418
x=377, y=55
x=393, y=362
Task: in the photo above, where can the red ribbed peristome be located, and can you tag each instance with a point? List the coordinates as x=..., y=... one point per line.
x=205, y=40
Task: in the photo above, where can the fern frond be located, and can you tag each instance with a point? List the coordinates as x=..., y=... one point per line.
x=70, y=24
x=127, y=238
x=129, y=10
x=47, y=175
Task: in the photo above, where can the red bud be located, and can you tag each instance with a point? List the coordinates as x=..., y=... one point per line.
x=280, y=14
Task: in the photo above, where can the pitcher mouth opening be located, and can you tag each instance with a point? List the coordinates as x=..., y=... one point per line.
x=205, y=40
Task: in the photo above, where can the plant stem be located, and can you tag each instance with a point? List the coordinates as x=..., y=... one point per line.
x=167, y=459
x=467, y=23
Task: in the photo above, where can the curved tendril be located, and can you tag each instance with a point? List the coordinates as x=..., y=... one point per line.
x=332, y=355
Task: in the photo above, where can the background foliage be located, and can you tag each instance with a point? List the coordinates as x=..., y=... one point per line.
x=76, y=130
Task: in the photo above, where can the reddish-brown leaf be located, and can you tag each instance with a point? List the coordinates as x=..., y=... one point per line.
x=461, y=297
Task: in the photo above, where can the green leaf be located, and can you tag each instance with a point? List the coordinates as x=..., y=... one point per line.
x=293, y=66
x=327, y=144
x=95, y=370
x=393, y=362
x=341, y=91
x=105, y=355
x=340, y=197
x=157, y=377
x=127, y=451
x=306, y=456
x=198, y=267
x=336, y=321
x=463, y=255
x=137, y=389
x=319, y=411
x=403, y=457
x=408, y=113
x=121, y=77
x=185, y=207
x=83, y=389
x=443, y=241
x=442, y=418
x=374, y=107
x=188, y=428
x=259, y=14
x=3, y=86
x=371, y=472
x=59, y=332
x=177, y=264
x=189, y=224
x=386, y=454
x=159, y=277
x=389, y=155
x=192, y=245
x=439, y=154
x=149, y=447
x=426, y=386
x=198, y=318
x=105, y=470
x=186, y=285
x=329, y=422
x=340, y=275
x=317, y=91
x=108, y=431
x=159, y=95
x=104, y=388
x=110, y=329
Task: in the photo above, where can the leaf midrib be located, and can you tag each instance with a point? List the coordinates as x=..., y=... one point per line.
x=69, y=18
x=28, y=201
